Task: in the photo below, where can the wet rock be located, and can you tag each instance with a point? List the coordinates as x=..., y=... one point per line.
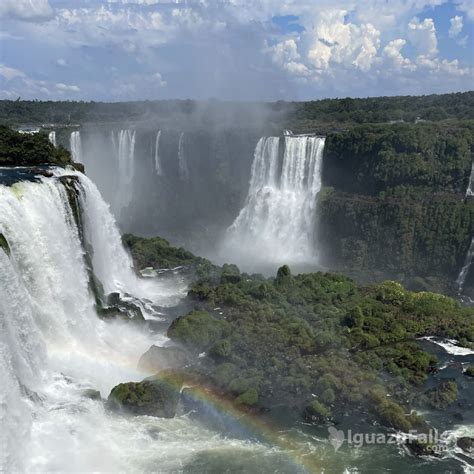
x=78, y=167
x=4, y=244
x=158, y=358
x=469, y=372
x=92, y=394
x=466, y=444
x=421, y=448
x=156, y=396
x=117, y=307
x=43, y=172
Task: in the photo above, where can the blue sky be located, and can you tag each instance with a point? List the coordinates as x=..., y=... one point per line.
x=116, y=50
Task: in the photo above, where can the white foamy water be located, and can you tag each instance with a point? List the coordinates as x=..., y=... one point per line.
x=277, y=222
x=112, y=264
x=451, y=346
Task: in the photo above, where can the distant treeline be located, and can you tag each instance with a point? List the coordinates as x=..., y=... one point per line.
x=386, y=109
x=303, y=116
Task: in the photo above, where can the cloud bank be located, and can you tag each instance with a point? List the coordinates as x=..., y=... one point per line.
x=233, y=49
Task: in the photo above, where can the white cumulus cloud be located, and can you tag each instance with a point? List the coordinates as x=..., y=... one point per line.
x=456, y=26
x=423, y=37
x=28, y=10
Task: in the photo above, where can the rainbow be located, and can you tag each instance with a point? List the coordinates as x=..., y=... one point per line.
x=250, y=424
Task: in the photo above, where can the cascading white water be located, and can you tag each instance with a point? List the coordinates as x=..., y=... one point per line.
x=182, y=163
x=112, y=264
x=75, y=145
x=53, y=347
x=52, y=137
x=278, y=220
x=124, y=146
x=158, y=167
x=470, y=188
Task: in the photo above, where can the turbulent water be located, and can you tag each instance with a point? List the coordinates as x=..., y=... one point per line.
x=75, y=145
x=277, y=223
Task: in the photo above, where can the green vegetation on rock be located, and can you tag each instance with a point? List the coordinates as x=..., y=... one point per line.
x=198, y=330
x=319, y=342
x=18, y=149
x=157, y=253
x=155, y=396
x=445, y=394
x=393, y=203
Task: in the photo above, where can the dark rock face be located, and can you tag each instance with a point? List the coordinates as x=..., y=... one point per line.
x=92, y=394
x=158, y=358
x=469, y=372
x=117, y=307
x=419, y=448
x=466, y=444
x=4, y=244
x=156, y=396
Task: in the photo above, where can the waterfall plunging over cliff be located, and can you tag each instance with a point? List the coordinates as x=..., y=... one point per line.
x=277, y=223
x=75, y=145
x=182, y=163
x=53, y=345
x=124, y=146
x=52, y=138
x=158, y=168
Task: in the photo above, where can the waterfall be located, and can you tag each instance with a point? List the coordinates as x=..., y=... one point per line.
x=182, y=163
x=466, y=267
x=52, y=137
x=124, y=146
x=278, y=220
x=53, y=345
x=470, y=188
x=158, y=168
x=75, y=145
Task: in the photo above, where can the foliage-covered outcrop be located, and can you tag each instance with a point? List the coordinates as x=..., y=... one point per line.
x=157, y=253
x=155, y=396
x=18, y=149
x=419, y=237
x=393, y=203
x=319, y=342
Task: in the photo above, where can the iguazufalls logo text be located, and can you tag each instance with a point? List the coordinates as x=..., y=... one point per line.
x=431, y=440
